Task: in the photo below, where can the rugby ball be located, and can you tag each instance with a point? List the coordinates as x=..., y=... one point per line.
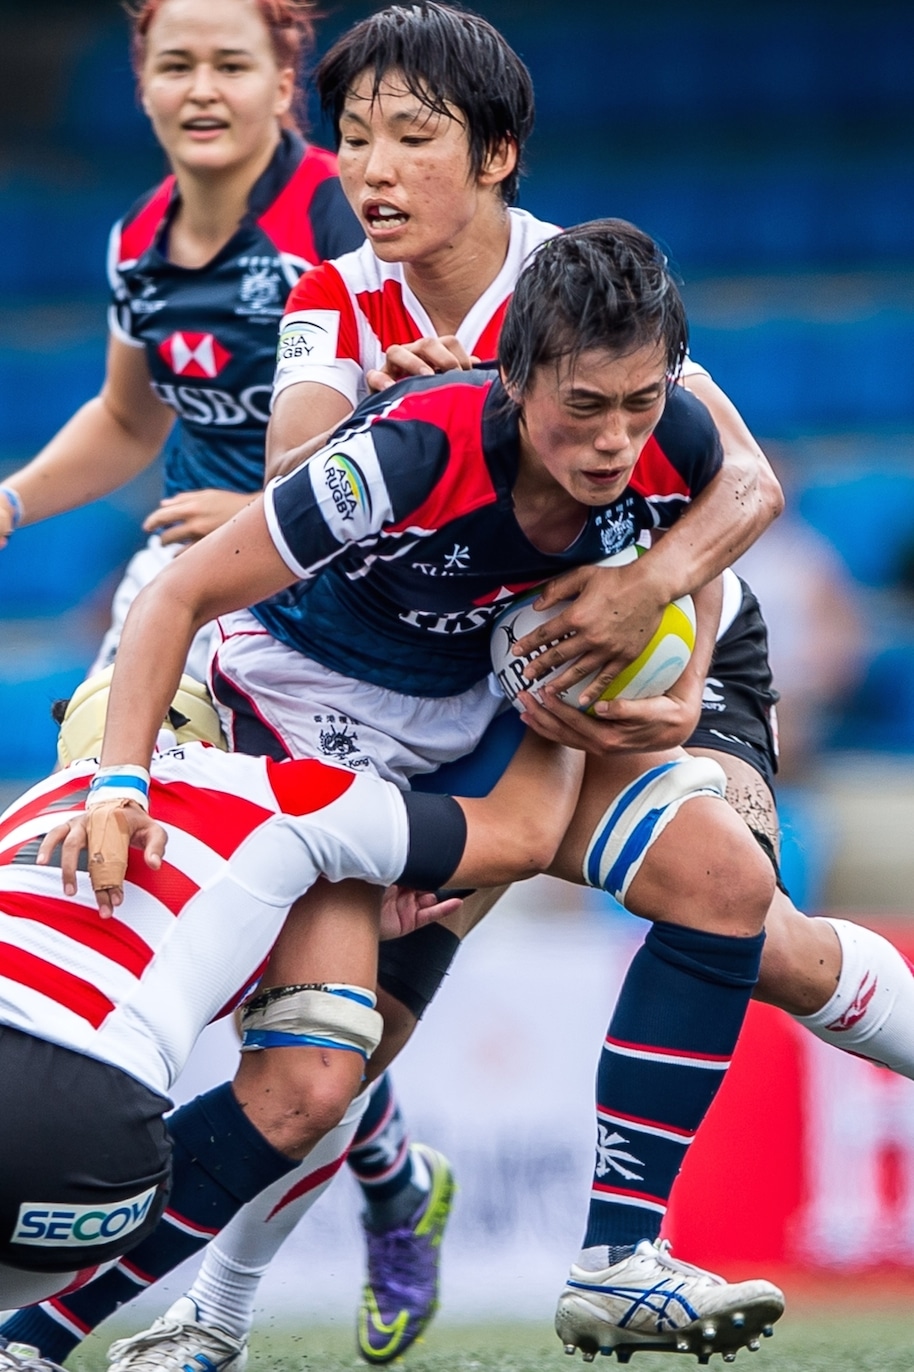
x=655, y=669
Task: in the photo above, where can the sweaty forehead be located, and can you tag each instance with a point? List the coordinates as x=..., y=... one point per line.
x=392, y=96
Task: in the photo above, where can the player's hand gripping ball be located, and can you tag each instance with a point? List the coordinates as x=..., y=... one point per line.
x=656, y=668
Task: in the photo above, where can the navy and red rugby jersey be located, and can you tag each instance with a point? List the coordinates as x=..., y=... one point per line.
x=402, y=529
x=210, y=333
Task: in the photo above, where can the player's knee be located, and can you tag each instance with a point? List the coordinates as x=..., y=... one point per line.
x=295, y=1097
x=301, y=1095
x=742, y=882
x=636, y=818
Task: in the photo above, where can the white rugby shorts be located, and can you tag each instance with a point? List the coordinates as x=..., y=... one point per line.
x=141, y=569
x=313, y=711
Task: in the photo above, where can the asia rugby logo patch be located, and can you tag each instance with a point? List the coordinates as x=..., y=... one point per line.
x=347, y=486
x=308, y=339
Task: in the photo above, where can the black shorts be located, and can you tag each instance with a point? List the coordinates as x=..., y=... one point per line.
x=738, y=715
x=85, y=1157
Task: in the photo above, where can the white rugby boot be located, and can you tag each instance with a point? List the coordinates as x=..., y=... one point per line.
x=177, y=1340
x=24, y=1357
x=652, y=1301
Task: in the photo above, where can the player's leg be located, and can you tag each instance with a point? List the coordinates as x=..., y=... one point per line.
x=406, y=1187
x=224, y=1294
x=845, y=983
x=403, y=1249
x=664, y=842
x=232, y=1143
x=84, y=1165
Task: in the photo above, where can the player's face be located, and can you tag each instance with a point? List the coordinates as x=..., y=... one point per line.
x=210, y=84
x=585, y=426
x=406, y=172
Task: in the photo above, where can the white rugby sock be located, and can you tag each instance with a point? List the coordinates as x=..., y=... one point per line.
x=225, y=1288
x=872, y=1011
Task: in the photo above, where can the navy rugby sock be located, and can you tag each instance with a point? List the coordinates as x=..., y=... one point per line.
x=219, y=1162
x=381, y=1161
x=666, y=1051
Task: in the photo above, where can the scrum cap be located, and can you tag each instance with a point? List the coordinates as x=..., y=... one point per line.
x=191, y=718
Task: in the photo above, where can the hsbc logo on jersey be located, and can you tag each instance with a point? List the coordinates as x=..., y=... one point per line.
x=206, y=405
x=194, y=354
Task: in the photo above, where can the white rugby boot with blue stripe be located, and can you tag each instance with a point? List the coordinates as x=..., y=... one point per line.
x=178, y=1342
x=651, y=1301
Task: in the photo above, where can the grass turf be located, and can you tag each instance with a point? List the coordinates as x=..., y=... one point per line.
x=825, y=1339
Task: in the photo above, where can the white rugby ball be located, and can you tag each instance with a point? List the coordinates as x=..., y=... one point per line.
x=656, y=668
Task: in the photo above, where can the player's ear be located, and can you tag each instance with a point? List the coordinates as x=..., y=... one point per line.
x=500, y=162
x=514, y=392
x=285, y=92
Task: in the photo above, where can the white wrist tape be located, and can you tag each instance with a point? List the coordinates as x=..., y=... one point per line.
x=119, y=783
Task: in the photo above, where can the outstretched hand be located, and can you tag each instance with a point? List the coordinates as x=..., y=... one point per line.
x=106, y=832
x=404, y=910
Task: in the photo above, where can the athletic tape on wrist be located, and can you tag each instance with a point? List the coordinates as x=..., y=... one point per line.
x=15, y=504
x=119, y=784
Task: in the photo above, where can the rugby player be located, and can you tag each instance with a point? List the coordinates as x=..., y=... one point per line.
x=476, y=459
x=199, y=269
x=98, y=1016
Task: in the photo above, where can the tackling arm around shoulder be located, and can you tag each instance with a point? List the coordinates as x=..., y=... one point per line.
x=615, y=610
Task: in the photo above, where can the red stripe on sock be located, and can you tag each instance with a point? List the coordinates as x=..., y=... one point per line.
x=308, y=1183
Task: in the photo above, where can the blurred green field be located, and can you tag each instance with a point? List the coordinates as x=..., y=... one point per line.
x=830, y=1339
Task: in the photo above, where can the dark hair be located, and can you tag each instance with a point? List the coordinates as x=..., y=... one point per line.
x=600, y=285
x=446, y=56
x=289, y=24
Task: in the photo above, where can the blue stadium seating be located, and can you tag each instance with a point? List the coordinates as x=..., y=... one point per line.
x=869, y=517
x=31, y=679
x=49, y=568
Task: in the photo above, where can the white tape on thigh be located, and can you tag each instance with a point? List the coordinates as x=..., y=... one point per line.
x=313, y=1016
x=639, y=815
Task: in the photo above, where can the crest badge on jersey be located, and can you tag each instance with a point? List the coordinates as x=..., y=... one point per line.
x=616, y=532
x=262, y=290
x=194, y=354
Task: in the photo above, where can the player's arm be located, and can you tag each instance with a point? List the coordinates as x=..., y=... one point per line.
x=301, y=413
x=515, y=831
x=635, y=726
x=235, y=566
x=107, y=442
x=318, y=368
x=512, y=833
x=736, y=508
x=616, y=610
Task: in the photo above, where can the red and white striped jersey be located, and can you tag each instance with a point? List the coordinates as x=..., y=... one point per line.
x=343, y=316
x=246, y=836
